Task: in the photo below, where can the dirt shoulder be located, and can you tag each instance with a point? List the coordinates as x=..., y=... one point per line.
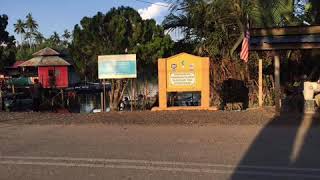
x=249, y=117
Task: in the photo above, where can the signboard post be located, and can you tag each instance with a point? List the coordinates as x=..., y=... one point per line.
x=116, y=67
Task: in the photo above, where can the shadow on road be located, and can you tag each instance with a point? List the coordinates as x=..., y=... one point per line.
x=286, y=144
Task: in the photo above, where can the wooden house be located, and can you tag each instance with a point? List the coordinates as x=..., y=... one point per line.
x=52, y=70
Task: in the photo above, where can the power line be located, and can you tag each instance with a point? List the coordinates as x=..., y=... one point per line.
x=148, y=2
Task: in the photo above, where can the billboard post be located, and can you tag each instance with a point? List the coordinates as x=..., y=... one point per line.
x=123, y=66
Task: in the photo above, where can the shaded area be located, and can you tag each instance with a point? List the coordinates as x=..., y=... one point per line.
x=234, y=93
x=294, y=147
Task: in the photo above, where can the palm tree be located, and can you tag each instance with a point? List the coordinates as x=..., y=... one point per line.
x=66, y=36
x=19, y=28
x=38, y=38
x=55, y=38
x=273, y=13
x=216, y=27
x=32, y=27
x=28, y=36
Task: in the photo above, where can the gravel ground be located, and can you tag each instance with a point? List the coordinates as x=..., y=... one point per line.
x=249, y=117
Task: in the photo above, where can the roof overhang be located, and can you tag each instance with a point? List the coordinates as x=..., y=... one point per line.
x=286, y=38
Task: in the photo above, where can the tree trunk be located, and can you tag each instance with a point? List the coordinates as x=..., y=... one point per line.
x=116, y=94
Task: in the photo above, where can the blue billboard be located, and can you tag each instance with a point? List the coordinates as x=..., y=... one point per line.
x=117, y=66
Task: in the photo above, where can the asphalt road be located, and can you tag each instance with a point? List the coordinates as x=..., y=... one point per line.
x=158, y=152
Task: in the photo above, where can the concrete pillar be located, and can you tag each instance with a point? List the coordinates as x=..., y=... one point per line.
x=205, y=93
x=162, y=76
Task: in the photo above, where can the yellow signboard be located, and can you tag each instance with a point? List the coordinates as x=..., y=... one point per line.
x=184, y=73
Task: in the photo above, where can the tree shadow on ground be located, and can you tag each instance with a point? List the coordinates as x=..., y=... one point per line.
x=286, y=148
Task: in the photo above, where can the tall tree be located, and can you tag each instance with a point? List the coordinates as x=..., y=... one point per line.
x=119, y=31
x=32, y=27
x=19, y=28
x=66, y=34
x=66, y=37
x=216, y=27
x=55, y=38
x=39, y=38
x=7, y=44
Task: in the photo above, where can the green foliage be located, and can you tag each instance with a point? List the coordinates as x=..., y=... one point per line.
x=119, y=31
x=216, y=27
x=19, y=28
x=32, y=28
x=272, y=13
x=31, y=24
x=66, y=37
x=7, y=44
x=312, y=12
x=25, y=50
x=55, y=38
x=213, y=26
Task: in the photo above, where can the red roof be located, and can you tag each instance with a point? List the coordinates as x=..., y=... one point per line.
x=16, y=64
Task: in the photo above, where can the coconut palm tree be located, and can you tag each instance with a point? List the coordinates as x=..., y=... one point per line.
x=28, y=37
x=19, y=28
x=38, y=38
x=66, y=36
x=55, y=38
x=216, y=26
x=32, y=27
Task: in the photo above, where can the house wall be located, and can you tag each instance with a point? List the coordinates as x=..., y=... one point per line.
x=60, y=73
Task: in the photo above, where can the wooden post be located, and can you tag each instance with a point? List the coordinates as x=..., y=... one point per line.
x=277, y=90
x=132, y=95
x=1, y=99
x=135, y=93
x=247, y=72
x=62, y=97
x=102, y=102
x=260, y=84
x=145, y=101
x=13, y=89
x=104, y=95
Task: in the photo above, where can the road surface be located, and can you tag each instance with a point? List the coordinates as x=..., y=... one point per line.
x=128, y=152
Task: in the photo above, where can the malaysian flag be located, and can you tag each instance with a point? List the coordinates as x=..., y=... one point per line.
x=244, y=55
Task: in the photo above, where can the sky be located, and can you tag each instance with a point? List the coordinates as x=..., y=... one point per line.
x=58, y=15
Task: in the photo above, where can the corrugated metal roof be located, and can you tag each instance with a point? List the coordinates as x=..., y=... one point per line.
x=45, y=61
x=46, y=52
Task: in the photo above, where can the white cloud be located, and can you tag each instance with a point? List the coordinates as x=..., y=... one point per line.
x=154, y=11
